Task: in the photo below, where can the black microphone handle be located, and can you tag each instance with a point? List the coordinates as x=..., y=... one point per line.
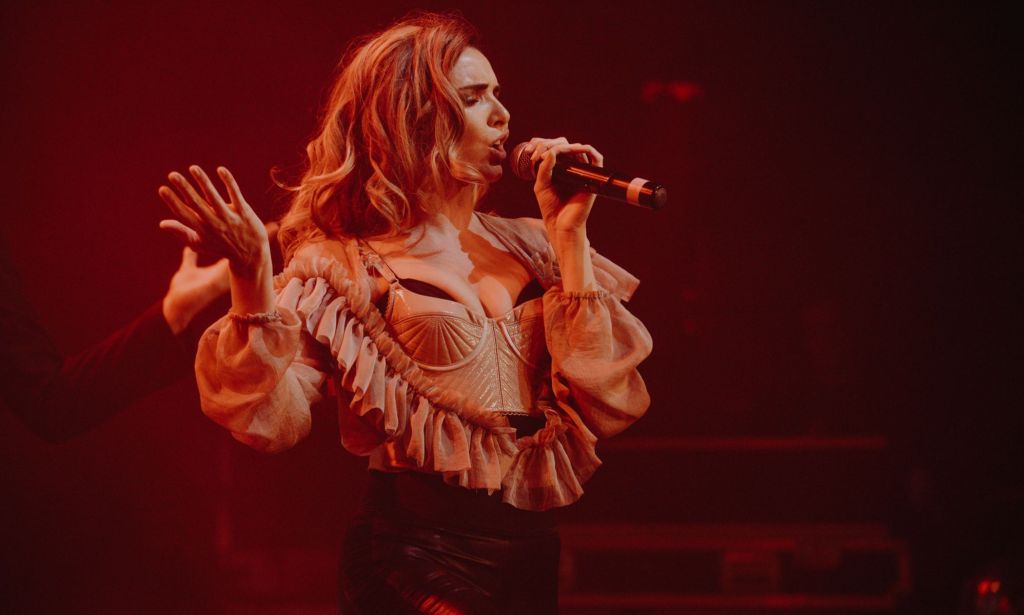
x=571, y=173
x=598, y=180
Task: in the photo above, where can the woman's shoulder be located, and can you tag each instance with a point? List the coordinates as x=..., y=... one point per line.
x=316, y=257
x=335, y=263
x=321, y=247
x=528, y=233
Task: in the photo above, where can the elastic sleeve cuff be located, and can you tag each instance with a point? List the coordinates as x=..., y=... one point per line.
x=599, y=293
x=568, y=297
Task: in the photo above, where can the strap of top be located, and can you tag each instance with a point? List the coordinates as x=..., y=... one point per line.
x=374, y=261
x=528, y=247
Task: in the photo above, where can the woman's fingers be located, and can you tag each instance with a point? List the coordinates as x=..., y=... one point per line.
x=545, y=151
x=187, y=235
x=209, y=191
x=209, y=223
x=547, y=163
x=241, y=205
x=178, y=207
x=232, y=186
x=541, y=146
x=197, y=202
x=547, y=159
x=588, y=154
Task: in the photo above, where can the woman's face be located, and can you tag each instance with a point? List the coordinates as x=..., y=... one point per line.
x=483, y=141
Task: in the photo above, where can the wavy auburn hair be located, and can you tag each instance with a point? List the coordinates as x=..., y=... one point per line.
x=388, y=135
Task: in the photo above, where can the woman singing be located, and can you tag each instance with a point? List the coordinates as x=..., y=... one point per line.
x=476, y=359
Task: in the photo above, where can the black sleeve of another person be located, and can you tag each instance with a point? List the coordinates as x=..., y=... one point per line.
x=61, y=397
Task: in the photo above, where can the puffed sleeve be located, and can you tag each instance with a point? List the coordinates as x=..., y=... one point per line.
x=259, y=379
x=596, y=346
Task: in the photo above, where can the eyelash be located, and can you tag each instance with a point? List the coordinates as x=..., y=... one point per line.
x=472, y=100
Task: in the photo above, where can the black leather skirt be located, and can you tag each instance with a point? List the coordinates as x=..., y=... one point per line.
x=421, y=546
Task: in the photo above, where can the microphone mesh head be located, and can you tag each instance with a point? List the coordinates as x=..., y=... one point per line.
x=520, y=163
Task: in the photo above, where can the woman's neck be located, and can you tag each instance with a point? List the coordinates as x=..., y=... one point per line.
x=450, y=217
x=454, y=210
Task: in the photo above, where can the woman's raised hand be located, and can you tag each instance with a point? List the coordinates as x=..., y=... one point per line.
x=562, y=213
x=209, y=225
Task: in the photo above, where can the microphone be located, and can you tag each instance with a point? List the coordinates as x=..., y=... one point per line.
x=572, y=173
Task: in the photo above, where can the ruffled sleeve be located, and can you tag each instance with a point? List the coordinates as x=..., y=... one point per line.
x=596, y=346
x=258, y=380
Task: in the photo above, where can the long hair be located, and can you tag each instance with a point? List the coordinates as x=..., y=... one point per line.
x=387, y=137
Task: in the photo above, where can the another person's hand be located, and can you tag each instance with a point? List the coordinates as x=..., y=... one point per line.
x=193, y=288
x=562, y=213
x=209, y=225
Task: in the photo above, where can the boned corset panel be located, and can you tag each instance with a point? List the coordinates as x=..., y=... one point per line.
x=501, y=362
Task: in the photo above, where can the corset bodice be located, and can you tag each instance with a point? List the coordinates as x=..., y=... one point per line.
x=501, y=362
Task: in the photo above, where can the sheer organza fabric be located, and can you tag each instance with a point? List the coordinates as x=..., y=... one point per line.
x=258, y=380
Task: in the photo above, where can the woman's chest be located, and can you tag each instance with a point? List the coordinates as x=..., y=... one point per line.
x=500, y=362
x=486, y=280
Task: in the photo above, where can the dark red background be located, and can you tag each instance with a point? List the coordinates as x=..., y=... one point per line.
x=839, y=255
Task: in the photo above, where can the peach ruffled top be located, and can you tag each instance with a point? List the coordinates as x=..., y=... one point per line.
x=400, y=400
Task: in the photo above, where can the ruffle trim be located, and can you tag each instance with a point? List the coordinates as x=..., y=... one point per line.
x=551, y=466
x=397, y=414
x=613, y=278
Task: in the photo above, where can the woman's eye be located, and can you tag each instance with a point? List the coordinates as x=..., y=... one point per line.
x=470, y=100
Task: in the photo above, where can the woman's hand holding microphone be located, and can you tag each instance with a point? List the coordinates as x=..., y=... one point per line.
x=565, y=216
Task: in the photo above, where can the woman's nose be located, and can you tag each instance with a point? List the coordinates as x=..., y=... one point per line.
x=501, y=115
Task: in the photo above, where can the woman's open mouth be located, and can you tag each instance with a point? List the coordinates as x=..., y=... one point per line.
x=498, y=151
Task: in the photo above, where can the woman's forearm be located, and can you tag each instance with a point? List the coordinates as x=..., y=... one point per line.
x=252, y=288
x=572, y=249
